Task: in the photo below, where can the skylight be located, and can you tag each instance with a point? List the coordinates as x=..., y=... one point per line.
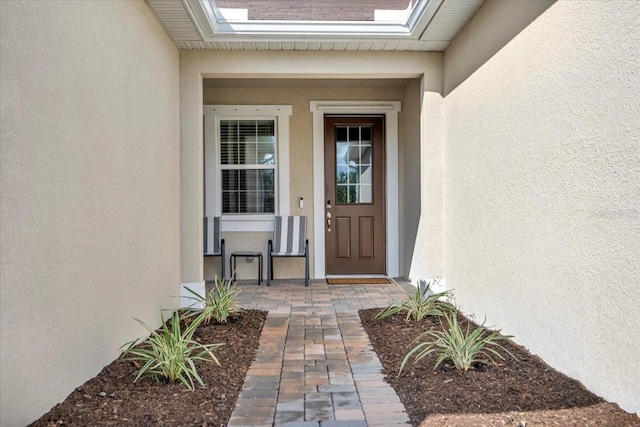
x=319, y=20
x=326, y=10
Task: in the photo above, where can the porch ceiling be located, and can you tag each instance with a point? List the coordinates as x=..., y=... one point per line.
x=200, y=25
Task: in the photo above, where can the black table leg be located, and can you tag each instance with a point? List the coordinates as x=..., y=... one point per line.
x=233, y=273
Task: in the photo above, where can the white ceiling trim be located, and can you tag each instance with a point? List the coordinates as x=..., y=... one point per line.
x=296, y=30
x=416, y=46
x=199, y=24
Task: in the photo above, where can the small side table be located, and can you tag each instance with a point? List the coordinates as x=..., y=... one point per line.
x=233, y=263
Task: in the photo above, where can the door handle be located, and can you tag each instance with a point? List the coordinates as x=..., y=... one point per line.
x=329, y=222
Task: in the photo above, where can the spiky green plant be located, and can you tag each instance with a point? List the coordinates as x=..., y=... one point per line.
x=463, y=348
x=169, y=354
x=421, y=304
x=219, y=303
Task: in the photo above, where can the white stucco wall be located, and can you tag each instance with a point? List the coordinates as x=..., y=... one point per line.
x=427, y=258
x=89, y=184
x=409, y=175
x=542, y=193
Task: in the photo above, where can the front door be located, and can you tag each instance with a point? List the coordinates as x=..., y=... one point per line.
x=354, y=195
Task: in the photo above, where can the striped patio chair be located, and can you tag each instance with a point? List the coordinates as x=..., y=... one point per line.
x=213, y=241
x=289, y=240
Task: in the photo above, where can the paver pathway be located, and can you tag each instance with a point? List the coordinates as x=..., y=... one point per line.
x=315, y=365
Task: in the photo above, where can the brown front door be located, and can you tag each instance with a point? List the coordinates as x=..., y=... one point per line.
x=354, y=195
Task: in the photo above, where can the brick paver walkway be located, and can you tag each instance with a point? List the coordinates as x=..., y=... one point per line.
x=315, y=365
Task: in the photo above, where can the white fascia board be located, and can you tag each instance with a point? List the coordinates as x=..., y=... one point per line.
x=278, y=30
x=348, y=107
x=213, y=26
x=205, y=16
x=249, y=110
x=421, y=16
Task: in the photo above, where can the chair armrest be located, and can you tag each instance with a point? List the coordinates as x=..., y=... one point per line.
x=222, y=255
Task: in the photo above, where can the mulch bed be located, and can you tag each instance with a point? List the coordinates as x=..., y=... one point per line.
x=523, y=392
x=519, y=393
x=112, y=399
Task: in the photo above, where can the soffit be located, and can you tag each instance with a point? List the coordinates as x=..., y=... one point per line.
x=431, y=27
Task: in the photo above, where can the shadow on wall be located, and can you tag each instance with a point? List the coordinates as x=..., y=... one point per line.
x=489, y=30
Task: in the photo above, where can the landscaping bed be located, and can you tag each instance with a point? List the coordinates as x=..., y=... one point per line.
x=517, y=393
x=112, y=399
x=522, y=392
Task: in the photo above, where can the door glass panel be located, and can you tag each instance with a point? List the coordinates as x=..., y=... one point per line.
x=354, y=168
x=342, y=133
x=365, y=134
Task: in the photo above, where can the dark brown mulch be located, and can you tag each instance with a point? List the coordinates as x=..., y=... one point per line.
x=514, y=393
x=111, y=398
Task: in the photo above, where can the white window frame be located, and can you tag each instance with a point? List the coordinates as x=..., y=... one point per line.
x=213, y=172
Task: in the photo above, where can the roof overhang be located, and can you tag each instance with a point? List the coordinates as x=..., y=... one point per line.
x=200, y=24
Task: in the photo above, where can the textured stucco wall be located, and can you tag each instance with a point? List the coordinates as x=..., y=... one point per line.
x=196, y=65
x=542, y=193
x=422, y=182
x=90, y=191
x=492, y=27
x=300, y=164
x=427, y=258
x=409, y=176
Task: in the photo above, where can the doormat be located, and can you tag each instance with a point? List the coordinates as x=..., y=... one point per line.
x=358, y=281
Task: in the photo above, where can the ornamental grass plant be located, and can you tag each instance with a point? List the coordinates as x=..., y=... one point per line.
x=421, y=304
x=462, y=348
x=169, y=353
x=219, y=303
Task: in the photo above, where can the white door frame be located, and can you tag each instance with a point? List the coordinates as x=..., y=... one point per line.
x=390, y=109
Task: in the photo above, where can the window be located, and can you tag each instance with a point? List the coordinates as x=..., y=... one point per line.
x=248, y=166
x=246, y=157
